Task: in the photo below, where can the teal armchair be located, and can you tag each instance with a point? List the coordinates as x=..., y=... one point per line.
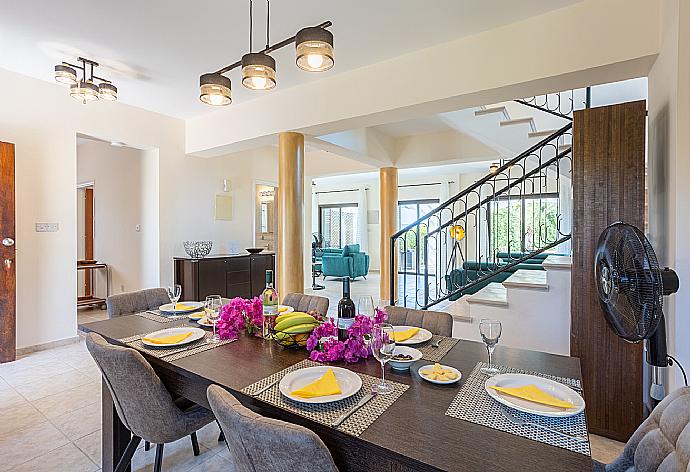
x=346, y=262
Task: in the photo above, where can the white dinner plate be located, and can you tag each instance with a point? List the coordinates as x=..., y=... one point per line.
x=422, y=335
x=197, y=333
x=349, y=383
x=553, y=388
x=196, y=316
x=440, y=382
x=404, y=365
x=190, y=306
x=286, y=309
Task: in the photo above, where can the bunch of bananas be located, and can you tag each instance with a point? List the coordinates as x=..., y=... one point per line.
x=294, y=328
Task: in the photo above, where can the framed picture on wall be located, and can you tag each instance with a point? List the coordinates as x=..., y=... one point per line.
x=223, y=207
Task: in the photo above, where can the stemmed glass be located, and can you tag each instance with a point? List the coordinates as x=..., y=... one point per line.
x=175, y=292
x=365, y=306
x=383, y=348
x=212, y=308
x=491, y=332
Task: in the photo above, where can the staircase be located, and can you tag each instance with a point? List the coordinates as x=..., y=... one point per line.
x=481, y=244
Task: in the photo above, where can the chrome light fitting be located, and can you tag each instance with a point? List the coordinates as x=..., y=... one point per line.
x=85, y=90
x=314, y=53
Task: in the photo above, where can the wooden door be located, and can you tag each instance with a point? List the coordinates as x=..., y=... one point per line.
x=608, y=186
x=8, y=293
x=88, y=238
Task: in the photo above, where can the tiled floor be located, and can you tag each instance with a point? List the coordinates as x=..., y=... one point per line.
x=50, y=412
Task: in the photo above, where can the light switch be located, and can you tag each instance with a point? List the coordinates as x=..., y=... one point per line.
x=47, y=227
x=137, y=228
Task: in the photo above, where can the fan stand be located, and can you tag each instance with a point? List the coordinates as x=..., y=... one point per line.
x=657, y=357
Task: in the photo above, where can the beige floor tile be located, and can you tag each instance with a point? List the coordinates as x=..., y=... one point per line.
x=36, y=372
x=53, y=406
x=91, y=446
x=17, y=447
x=177, y=457
x=9, y=398
x=67, y=458
x=217, y=463
x=19, y=417
x=208, y=436
x=604, y=449
x=77, y=359
x=79, y=423
x=30, y=360
x=53, y=385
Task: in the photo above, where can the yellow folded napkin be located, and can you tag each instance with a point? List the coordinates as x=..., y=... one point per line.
x=182, y=307
x=282, y=309
x=174, y=339
x=326, y=385
x=404, y=335
x=534, y=394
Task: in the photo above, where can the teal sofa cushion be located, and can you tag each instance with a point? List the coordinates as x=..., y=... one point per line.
x=346, y=262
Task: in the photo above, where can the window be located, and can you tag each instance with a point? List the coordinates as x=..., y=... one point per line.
x=523, y=223
x=339, y=224
x=411, y=252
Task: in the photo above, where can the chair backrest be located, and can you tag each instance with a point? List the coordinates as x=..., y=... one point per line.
x=437, y=322
x=142, y=402
x=305, y=303
x=662, y=442
x=135, y=302
x=259, y=444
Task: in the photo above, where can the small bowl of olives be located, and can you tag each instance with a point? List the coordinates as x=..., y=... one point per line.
x=404, y=357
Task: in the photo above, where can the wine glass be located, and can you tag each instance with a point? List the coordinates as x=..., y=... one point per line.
x=212, y=307
x=383, y=347
x=365, y=306
x=491, y=332
x=175, y=292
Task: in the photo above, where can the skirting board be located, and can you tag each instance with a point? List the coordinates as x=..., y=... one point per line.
x=22, y=351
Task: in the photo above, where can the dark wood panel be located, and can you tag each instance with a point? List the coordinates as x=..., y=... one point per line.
x=608, y=186
x=412, y=435
x=211, y=278
x=8, y=288
x=260, y=264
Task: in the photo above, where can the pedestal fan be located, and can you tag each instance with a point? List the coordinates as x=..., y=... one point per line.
x=631, y=289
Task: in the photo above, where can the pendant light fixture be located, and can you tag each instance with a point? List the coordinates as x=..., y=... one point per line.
x=85, y=90
x=258, y=68
x=314, y=47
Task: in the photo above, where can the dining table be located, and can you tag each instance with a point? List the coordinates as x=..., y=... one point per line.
x=413, y=434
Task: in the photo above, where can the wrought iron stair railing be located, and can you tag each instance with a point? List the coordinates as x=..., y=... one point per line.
x=520, y=208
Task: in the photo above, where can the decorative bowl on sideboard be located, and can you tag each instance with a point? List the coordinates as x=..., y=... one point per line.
x=197, y=249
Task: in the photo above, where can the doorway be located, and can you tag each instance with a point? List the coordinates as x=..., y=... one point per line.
x=85, y=228
x=8, y=273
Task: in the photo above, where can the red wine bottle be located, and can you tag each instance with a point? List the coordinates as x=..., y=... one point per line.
x=346, y=311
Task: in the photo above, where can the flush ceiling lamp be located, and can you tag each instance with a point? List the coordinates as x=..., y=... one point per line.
x=85, y=89
x=314, y=53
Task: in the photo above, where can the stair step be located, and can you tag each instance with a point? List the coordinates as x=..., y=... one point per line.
x=526, y=278
x=519, y=121
x=489, y=111
x=564, y=147
x=558, y=262
x=541, y=134
x=493, y=294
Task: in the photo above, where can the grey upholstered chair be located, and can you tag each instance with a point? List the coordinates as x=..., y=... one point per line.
x=661, y=443
x=437, y=322
x=143, y=403
x=302, y=302
x=136, y=302
x=259, y=444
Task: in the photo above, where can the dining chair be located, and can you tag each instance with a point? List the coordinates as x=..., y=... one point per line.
x=305, y=303
x=135, y=302
x=143, y=403
x=438, y=322
x=661, y=443
x=260, y=444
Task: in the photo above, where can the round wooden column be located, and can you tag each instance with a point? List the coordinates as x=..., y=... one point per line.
x=388, y=192
x=290, y=213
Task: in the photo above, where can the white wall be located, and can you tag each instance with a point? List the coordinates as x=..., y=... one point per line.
x=669, y=170
x=125, y=197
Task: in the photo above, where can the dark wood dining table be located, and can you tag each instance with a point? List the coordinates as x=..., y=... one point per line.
x=414, y=434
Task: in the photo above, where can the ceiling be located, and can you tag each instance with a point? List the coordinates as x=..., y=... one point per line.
x=155, y=50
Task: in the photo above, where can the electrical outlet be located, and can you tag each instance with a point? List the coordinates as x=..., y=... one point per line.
x=47, y=227
x=137, y=228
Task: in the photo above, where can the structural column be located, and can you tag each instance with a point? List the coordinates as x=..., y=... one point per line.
x=290, y=213
x=388, y=191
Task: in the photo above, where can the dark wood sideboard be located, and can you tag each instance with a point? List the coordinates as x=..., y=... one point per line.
x=227, y=275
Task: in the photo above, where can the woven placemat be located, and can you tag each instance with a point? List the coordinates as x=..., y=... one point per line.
x=435, y=354
x=473, y=404
x=327, y=413
x=169, y=354
x=159, y=316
